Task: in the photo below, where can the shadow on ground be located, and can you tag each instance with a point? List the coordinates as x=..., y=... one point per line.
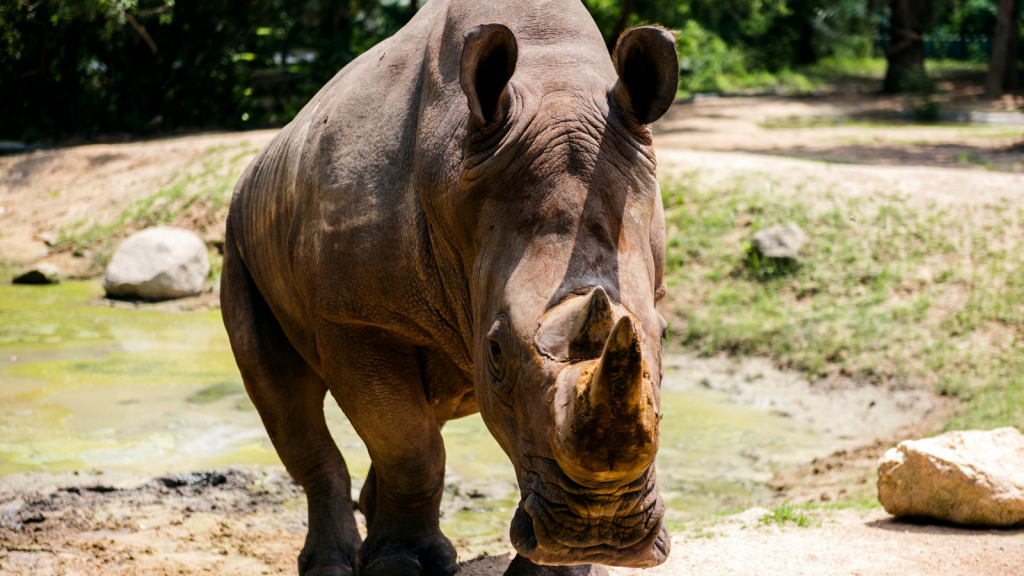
x=1007, y=158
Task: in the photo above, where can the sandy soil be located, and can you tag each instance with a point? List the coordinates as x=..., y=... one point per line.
x=43, y=191
x=235, y=523
x=846, y=542
x=802, y=128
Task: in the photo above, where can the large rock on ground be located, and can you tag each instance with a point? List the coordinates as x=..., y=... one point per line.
x=157, y=264
x=42, y=273
x=973, y=477
x=780, y=241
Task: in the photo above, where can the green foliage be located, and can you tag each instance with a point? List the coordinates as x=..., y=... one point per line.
x=766, y=267
x=708, y=64
x=87, y=66
x=82, y=67
x=705, y=61
x=966, y=17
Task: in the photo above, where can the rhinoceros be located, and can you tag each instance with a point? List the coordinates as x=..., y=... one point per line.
x=465, y=219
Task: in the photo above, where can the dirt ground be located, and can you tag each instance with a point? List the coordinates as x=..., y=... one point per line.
x=45, y=191
x=235, y=523
x=238, y=522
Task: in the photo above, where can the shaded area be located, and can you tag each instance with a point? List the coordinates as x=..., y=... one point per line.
x=1007, y=158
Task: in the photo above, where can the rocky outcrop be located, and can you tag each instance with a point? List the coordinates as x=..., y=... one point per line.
x=42, y=273
x=157, y=264
x=971, y=477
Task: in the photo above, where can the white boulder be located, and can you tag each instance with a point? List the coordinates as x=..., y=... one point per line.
x=780, y=241
x=973, y=477
x=157, y=264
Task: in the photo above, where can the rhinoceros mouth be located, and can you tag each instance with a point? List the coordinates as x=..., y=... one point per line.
x=561, y=522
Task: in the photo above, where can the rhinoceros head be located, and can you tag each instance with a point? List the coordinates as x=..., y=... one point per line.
x=567, y=234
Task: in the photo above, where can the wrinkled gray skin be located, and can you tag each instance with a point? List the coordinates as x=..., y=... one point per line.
x=466, y=218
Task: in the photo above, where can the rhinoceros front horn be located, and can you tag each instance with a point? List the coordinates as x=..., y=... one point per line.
x=619, y=378
x=607, y=428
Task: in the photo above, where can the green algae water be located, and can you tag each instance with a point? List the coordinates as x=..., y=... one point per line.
x=84, y=385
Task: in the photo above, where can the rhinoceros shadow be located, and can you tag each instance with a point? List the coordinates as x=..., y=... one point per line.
x=486, y=566
x=933, y=526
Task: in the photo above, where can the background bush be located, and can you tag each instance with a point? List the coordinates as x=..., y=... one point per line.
x=85, y=67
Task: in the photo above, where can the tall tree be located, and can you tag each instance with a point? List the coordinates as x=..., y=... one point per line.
x=1011, y=79
x=1001, y=45
x=907, y=24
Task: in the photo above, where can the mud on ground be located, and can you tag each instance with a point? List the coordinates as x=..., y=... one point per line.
x=229, y=522
x=235, y=523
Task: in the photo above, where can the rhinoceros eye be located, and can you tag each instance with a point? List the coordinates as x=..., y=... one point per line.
x=498, y=342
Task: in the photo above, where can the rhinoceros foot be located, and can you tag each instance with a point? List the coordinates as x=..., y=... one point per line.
x=432, y=555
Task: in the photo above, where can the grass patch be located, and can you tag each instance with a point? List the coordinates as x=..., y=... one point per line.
x=970, y=158
x=787, y=512
x=203, y=189
x=887, y=293
x=216, y=392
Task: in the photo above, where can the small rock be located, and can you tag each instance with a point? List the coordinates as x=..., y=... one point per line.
x=780, y=241
x=157, y=264
x=48, y=238
x=42, y=273
x=972, y=477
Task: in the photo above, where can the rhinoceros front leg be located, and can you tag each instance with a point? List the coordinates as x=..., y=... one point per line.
x=289, y=396
x=522, y=566
x=377, y=382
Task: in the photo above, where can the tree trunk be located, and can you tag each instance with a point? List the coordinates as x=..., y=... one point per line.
x=1011, y=79
x=413, y=8
x=906, y=41
x=1000, y=47
x=620, y=26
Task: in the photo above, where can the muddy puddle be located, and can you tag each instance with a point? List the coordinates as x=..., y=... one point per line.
x=89, y=386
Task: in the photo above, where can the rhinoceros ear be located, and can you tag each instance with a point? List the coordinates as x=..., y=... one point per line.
x=489, y=57
x=648, y=72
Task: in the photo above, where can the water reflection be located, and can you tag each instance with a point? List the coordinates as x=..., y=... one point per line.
x=90, y=386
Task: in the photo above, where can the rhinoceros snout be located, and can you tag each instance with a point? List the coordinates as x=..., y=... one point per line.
x=560, y=522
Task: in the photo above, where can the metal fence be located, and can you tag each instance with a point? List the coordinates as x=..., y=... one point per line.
x=971, y=48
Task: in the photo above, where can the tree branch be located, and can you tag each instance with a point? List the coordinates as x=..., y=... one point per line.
x=141, y=30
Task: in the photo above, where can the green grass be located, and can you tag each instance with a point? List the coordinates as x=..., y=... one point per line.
x=216, y=392
x=969, y=158
x=886, y=292
x=786, y=512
